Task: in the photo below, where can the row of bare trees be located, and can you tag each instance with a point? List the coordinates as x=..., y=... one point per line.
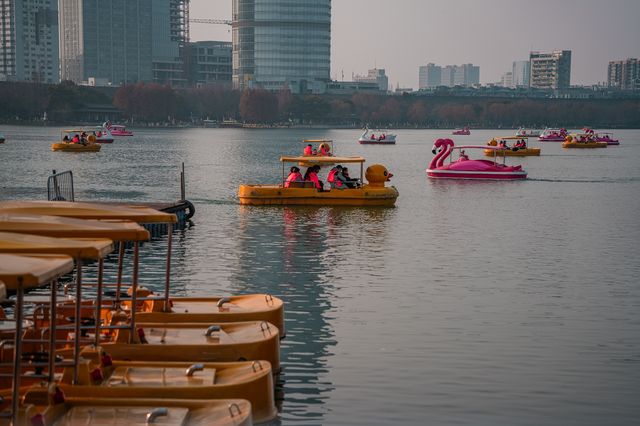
x=148, y=102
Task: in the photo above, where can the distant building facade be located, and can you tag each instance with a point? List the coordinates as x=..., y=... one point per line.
x=169, y=38
x=430, y=76
x=507, y=79
x=550, y=70
x=377, y=76
x=521, y=73
x=624, y=75
x=106, y=40
x=352, y=87
x=29, y=41
x=278, y=43
x=210, y=63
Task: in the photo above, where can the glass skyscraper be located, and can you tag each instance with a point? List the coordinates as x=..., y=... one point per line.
x=107, y=40
x=280, y=43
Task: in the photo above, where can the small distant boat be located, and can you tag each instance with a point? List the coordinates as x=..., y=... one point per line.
x=583, y=140
x=462, y=132
x=377, y=137
x=520, y=147
x=553, y=135
x=464, y=168
x=528, y=133
x=78, y=140
x=118, y=130
x=230, y=124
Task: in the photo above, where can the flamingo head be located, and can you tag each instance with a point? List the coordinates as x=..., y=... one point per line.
x=441, y=144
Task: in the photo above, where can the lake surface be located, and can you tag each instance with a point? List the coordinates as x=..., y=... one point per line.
x=470, y=303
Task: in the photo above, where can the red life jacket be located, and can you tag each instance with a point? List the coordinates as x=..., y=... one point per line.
x=331, y=177
x=308, y=151
x=313, y=177
x=324, y=152
x=293, y=177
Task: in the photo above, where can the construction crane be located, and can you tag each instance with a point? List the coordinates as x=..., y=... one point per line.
x=210, y=21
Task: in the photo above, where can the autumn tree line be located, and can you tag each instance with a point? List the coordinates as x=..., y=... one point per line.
x=153, y=103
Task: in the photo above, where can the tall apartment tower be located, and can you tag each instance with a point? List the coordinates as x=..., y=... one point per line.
x=108, y=41
x=550, y=70
x=170, y=36
x=624, y=75
x=430, y=76
x=277, y=43
x=29, y=41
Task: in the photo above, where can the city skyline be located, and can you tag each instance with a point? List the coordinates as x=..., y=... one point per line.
x=482, y=33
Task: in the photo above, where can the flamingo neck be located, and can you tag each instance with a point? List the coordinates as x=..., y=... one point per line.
x=445, y=154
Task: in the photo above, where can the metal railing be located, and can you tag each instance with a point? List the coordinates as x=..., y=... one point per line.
x=60, y=186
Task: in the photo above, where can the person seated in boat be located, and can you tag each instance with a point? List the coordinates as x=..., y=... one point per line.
x=294, y=176
x=66, y=139
x=311, y=175
x=463, y=156
x=324, y=151
x=308, y=151
x=76, y=138
x=373, y=137
x=351, y=183
x=99, y=133
x=83, y=138
x=336, y=179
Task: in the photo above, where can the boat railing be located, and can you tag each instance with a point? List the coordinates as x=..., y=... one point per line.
x=60, y=186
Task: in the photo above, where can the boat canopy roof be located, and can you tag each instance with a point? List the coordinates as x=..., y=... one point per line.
x=497, y=148
x=512, y=137
x=35, y=244
x=308, y=141
x=64, y=227
x=322, y=160
x=139, y=214
x=32, y=270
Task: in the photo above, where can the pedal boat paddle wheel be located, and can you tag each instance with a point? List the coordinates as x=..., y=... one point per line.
x=373, y=193
x=464, y=168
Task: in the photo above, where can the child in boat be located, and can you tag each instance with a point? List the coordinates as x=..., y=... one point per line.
x=294, y=176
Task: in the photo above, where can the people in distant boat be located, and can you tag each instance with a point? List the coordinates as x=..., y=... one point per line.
x=324, y=150
x=308, y=150
x=76, y=138
x=311, y=175
x=294, y=176
x=373, y=137
x=314, y=152
x=503, y=144
x=66, y=139
x=463, y=155
x=336, y=179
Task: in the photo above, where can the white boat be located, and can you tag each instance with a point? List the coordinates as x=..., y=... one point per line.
x=528, y=133
x=377, y=137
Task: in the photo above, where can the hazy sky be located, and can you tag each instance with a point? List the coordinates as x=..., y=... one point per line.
x=401, y=35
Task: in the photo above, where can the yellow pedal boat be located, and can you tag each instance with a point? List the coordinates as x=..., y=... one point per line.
x=183, y=342
x=521, y=151
x=45, y=405
x=212, y=310
x=583, y=141
x=373, y=193
x=75, y=147
x=252, y=381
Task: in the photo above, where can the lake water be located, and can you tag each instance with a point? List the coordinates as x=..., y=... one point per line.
x=469, y=303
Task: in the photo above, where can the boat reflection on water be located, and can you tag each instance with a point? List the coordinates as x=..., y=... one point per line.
x=293, y=253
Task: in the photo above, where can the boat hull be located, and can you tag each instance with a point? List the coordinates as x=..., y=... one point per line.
x=522, y=152
x=121, y=134
x=74, y=147
x=476, y=175
x=584, y=145
x=461, y=133
x=108, y=140
x=551, y=139
x=374, y=142
x=274, y=195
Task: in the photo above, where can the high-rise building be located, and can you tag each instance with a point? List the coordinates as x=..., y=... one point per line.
x=550, y=70
x=29, y=40
x=466, y=75
x=521, y=73
x=377, y=76
x=507, y=79
x=169, y=37
x=278, y=43
x=210, y=63
x=430, y=76
x=624, y=75
x=108, y=40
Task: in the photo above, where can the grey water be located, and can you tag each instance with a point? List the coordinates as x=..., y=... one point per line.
x=469, y=303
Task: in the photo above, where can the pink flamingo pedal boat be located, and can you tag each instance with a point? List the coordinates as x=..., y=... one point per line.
x=464, y=168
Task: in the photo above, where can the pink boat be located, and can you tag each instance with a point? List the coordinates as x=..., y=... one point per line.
x=117, y=129
x=464, y=168
x=602, y=137
x=553, y=135
x=462, y=132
